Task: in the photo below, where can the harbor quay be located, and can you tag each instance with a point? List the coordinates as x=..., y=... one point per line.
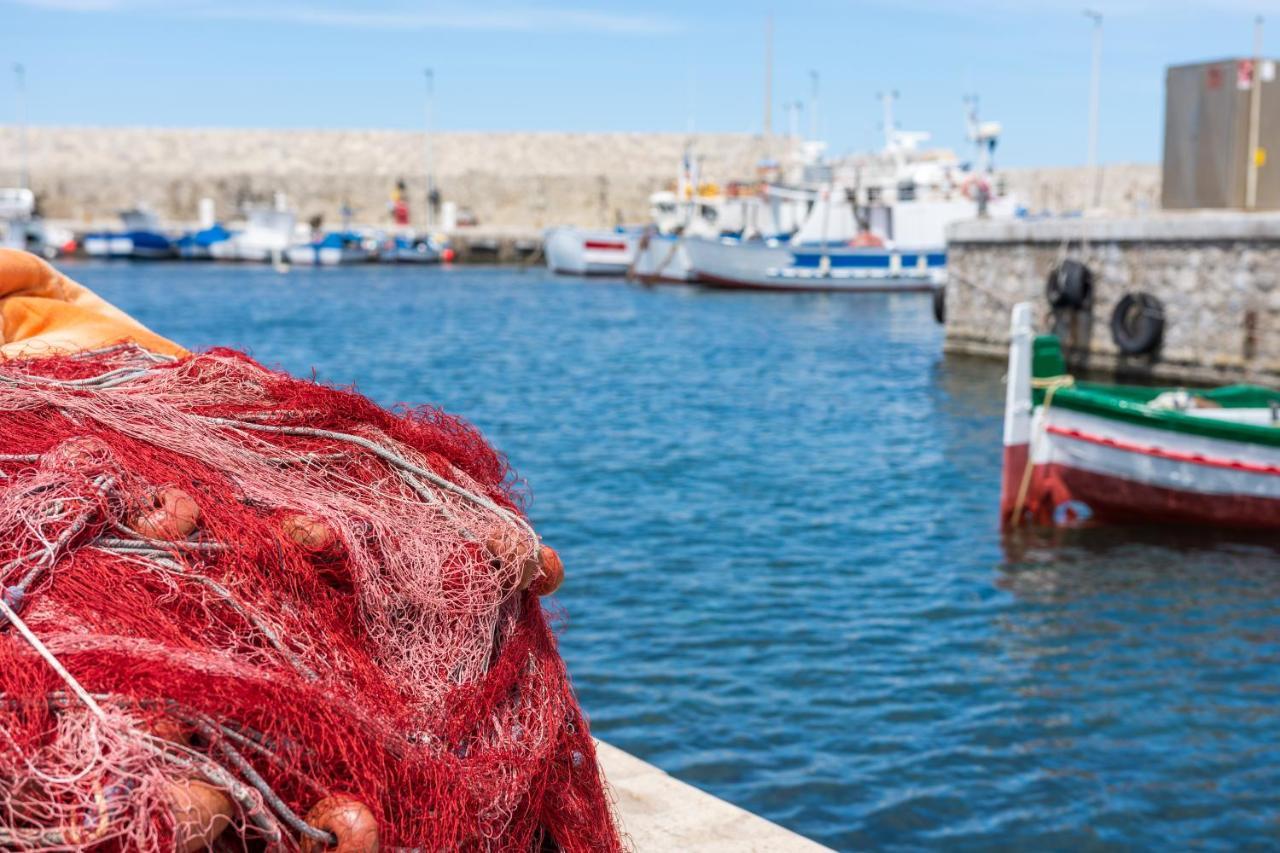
x=1213, y=277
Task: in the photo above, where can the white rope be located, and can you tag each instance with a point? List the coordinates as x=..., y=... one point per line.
x=387, y=456
x=51, y=659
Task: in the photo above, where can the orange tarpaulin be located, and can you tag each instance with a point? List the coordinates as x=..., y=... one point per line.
x=42, y=312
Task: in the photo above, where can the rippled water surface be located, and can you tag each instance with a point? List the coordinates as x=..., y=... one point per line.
x=785, y=583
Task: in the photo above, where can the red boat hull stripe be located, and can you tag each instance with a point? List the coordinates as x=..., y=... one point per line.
x=603, y=245
x=1161, y=453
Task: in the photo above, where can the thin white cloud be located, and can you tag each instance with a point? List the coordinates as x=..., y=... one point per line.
x=387, y=16
x=1108, y=8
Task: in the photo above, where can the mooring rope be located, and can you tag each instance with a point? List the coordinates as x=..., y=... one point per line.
x=1050, y=385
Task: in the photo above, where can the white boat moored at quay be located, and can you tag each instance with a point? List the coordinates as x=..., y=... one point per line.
x=267, y=234
x=769, y=265
x=586, y=251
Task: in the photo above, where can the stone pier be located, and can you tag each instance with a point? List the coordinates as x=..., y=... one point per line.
x=1217, y=275
x=659, y=813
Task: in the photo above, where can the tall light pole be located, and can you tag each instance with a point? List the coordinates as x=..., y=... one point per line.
x=768, y=78
x=431, y=180
x=1255, y=115
x=20, y=75
x=1095, y=94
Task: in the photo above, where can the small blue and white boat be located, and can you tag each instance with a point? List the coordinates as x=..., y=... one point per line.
x=141, y=237
x=335, y=248
x=198, y=245
x=411, y=249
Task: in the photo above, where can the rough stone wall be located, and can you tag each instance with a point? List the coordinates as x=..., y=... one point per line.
x=507, y=179
x=1124, y=188
x=1220, y=287
x=526, y=180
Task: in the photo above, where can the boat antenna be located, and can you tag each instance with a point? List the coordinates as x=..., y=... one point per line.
x=813, y=104
x=886, y=103
x=431, y=182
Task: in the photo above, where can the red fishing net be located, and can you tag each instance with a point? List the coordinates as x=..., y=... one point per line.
x=246, y=611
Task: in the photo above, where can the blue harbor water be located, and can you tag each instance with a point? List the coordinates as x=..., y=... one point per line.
x=785, y=583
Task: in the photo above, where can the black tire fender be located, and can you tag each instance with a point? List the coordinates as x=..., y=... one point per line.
x=1137, y=323
x=940, y=305
x=1069, y=285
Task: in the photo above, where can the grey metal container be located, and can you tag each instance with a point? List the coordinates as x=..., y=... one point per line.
x=1206, y=135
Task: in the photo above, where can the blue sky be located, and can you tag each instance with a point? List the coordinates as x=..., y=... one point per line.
x=611, y=66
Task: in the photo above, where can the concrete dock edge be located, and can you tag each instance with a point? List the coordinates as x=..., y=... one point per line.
x=660, y=813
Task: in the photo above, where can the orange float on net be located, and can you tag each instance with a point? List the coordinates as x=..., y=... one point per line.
x=309, y=532
x=350, y=821
x=200, y=813
x=173, y=515
x=552, y=568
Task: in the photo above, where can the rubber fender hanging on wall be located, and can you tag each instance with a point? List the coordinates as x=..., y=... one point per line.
x=1070, y=284
x=1137, y=324
x=940, y=304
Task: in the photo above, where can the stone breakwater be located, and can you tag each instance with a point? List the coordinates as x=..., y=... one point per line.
x=526, y=180
x=514, y=180
x=1217, y=275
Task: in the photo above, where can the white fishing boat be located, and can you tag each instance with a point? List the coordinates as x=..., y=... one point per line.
x=740, y=212
x=22, y=228
x=591, y=251
x=876, y=223
x=267, y=235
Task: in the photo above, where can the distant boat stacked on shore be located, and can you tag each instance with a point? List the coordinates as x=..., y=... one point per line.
x=269, y=234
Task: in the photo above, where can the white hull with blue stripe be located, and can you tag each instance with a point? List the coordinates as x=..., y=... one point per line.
x=782, y=266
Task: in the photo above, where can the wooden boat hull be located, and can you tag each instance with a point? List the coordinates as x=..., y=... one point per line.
x=1073, y=458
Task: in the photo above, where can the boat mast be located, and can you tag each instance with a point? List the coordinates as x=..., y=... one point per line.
x=431, y=183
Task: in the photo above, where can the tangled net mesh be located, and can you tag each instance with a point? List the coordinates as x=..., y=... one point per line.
x=217, y=577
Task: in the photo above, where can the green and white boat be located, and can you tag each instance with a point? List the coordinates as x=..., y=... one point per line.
x=1081, y=452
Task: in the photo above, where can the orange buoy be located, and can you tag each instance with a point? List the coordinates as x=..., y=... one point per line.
x=552, y=571
x=174, y=515
x=350, y=821
x=509, y=546
x=77, y=453
x=309, y=532
x=200, y=813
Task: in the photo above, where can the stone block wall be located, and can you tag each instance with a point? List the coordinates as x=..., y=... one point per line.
x=525, y=180
x=1217, y=275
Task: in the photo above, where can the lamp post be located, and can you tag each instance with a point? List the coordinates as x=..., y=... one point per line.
x=1255, y=111
x=768, y=78
x=20, y=75
x=431, y=182
x=1095, y=91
